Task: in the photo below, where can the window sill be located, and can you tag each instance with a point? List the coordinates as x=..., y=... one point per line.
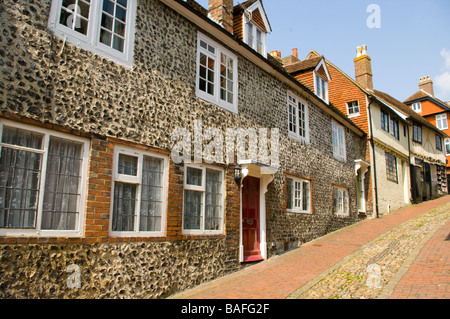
x=354, y=115
x=226, y=106
x=136, y=234
x=302, y=140
x=295, y=211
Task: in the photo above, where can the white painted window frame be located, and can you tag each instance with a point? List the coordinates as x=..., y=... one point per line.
x=91, y=41
x=417, y=107
x=299, y=209
x=38, y=232
x=337, y=210
x=294, y=101
x=339, y=150
x=254, y=45
x=137, y=180
x=351, y=106
x=321, y=92
x=447, y=143
x=215, y=98
x=202, y=189
x=441, y=121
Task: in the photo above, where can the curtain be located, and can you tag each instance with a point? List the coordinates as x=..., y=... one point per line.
x=60, y=209
x=19, y=178
x=151, y=195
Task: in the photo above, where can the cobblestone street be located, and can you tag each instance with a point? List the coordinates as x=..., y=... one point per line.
x=402, y=255
x=373, y=270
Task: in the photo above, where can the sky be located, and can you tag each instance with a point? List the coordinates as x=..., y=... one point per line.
x=406, y=39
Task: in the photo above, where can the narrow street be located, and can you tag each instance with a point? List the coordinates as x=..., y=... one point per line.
x=403, y=255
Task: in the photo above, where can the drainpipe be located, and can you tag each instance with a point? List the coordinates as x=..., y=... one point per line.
x=410, y=166
x=372, y=144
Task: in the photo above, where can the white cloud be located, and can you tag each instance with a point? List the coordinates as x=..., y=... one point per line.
x=442, y=81
x=446, y=55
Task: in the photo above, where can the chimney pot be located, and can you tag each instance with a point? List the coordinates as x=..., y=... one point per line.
x=276, y=54
x=363, y=68
x=426, y=84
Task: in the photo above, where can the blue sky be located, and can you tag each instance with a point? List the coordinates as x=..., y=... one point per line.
x=413, y=39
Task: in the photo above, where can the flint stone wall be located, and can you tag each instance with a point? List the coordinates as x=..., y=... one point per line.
x=76, y=90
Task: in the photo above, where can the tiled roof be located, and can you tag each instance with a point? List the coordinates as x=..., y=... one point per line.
x=419, y=95
x=405, y=109
x=304, y=65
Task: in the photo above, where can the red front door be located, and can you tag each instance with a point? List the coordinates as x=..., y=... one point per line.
x=250, y=219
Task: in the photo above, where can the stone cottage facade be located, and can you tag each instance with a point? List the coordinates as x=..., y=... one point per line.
x=404, y=158
x=111, y=183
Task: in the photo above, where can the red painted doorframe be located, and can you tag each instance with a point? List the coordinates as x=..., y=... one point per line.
x=251, y=237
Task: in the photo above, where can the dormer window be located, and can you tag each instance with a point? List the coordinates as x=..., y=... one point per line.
x=255, y=38
x=321, y=79
x=253, y=26
x=321, y=87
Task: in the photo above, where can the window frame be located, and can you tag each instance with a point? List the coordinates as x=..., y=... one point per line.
x=391, y=159
x=294, y=102
x=385, y=120
x=321, y=87
x=447, y=146
x=394, y=127
x=339, y=151
x=215, y=97
x=439, y=143
x=202, y=189
x=91, y=42
x=351, y=106
x=345, y=212
x=417, y=107
x=298, y=209
x=417, y=128
x=47, y=134
x=254, y=34
x=137, y=180
x=442, y=119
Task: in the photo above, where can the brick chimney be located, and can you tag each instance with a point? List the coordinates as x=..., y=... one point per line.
x=221, y=11
x=295, y=52
x=426, y=85
x=363, y=68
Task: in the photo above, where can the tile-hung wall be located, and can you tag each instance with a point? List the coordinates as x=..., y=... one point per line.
x=93, y=204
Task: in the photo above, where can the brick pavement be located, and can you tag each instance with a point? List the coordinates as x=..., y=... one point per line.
x=279, y=276
x=429, y=275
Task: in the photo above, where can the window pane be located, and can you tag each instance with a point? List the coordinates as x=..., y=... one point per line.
x=290, y=197
x=62, y=185
x=213, y=203
x=14, y=136
x=193, y=202
x=151, y=196
x=75, y=15
x=194, y=176
x=19, y=187
x=118, y=44
x=124, y=207
x=306, y=192
x=105, y=37
x=127, y=165
x=108, y=7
